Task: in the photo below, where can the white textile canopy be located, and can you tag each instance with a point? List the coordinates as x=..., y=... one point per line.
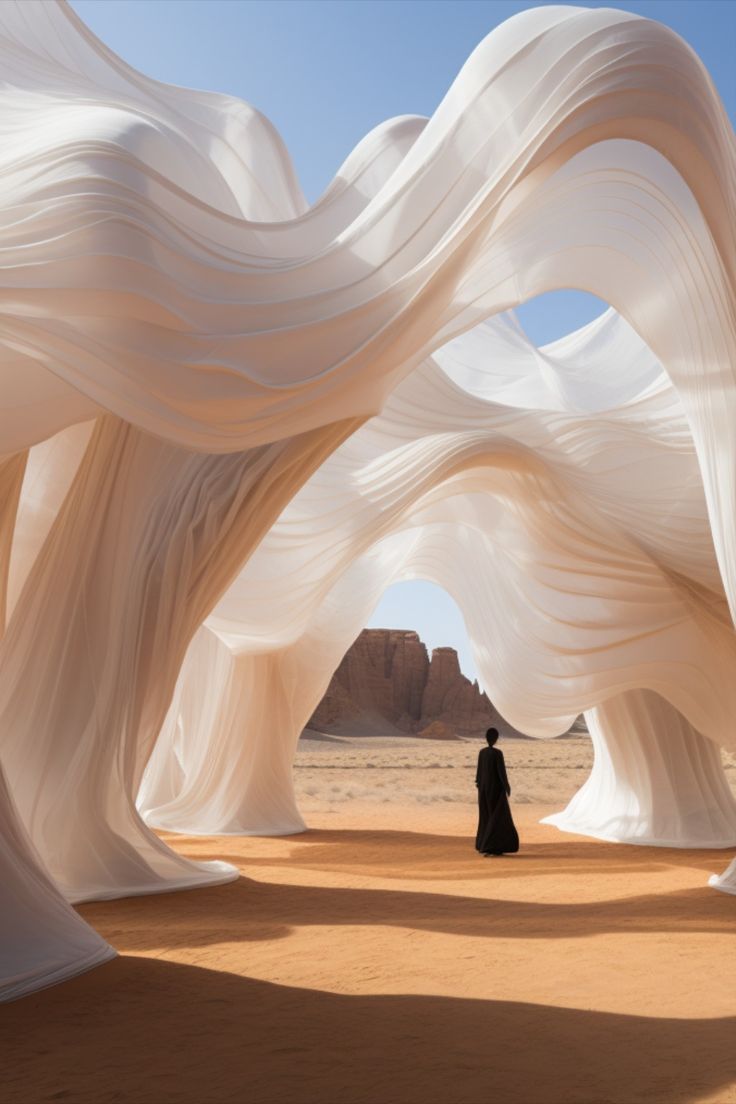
x=229, y=420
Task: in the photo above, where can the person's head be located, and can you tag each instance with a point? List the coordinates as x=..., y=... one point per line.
x=491, y=736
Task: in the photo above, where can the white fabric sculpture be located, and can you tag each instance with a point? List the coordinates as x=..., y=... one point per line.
x=164, y=280
x=556, y=534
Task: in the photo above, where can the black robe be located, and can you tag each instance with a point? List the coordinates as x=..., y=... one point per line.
x=496, y=831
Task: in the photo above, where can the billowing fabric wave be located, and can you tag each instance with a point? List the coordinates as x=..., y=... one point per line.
x=563, y=538
x=185, y=344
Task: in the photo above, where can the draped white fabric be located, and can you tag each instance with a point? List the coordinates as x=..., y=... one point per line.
x=576, y=584
x=185, y=344
x=726, y=881
x=42, y=939
x=655, y=779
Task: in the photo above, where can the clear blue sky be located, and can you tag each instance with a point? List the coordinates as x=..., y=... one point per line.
x=326, y=72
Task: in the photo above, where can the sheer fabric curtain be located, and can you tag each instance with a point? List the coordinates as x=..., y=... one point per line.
x=165, y=278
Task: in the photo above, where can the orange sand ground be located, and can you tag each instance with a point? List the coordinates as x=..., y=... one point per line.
x=378, y=959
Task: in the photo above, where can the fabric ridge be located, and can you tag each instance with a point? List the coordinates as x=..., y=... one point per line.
x=229, y=420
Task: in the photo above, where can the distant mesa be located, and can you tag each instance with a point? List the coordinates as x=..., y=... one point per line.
x=387, y=684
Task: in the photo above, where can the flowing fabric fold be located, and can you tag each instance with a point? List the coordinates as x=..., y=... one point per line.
x=655, y=780
x=79, y=716
x=576, y=583
x=185, y=344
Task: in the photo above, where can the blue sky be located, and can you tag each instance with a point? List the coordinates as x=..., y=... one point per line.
x=326, y=72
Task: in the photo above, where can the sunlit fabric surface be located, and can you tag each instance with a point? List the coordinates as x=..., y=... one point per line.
x=564, y=539
x=185, y=345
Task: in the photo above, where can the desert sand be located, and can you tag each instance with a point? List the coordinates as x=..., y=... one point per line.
x=331, y=772
x=378, y=959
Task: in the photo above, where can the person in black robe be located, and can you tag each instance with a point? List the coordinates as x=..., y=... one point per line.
x=497, y=833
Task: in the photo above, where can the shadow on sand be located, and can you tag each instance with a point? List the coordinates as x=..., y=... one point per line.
x=250, y=910
x=151, y=1032
x=423, y=855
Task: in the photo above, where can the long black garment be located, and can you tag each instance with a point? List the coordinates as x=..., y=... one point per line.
x=496, y=830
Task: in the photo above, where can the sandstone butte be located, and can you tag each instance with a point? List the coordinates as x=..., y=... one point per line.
x=387, y=683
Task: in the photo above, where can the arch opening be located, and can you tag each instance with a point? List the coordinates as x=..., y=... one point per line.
x=554, y=314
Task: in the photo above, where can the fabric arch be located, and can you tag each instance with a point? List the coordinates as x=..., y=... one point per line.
x=237, y=356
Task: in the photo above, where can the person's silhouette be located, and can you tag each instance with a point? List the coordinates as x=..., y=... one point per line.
x=496, y=833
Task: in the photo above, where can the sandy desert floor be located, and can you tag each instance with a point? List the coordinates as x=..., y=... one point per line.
x=331, y=772
x=377, y=959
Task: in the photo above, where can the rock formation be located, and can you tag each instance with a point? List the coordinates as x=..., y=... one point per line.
x=438, y=730
x=387, y=673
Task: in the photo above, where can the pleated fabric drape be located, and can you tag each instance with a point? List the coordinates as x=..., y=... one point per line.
x=221, y=405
